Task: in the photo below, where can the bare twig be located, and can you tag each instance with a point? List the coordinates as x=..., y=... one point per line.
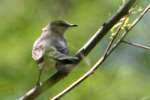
x=136, y=45
x=85, y=50
x=102, y=59
x=115, y=36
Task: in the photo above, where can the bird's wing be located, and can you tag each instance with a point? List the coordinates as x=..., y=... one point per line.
x=57, y=55
x=38, y=51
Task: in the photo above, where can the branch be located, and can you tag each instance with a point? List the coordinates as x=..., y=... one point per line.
x=102, y=59
x=114, y=37
x=84, y=51
x=136, y=45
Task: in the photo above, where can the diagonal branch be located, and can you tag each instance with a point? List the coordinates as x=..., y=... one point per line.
x=136, y=45
x=102, y=59
x=116, y=34
x=84, y=51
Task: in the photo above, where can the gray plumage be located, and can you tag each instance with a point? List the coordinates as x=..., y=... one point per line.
x=52, y=45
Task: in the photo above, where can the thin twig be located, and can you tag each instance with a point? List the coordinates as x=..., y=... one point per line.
x=115, y=36
x=136, y=45
x=102, y=59
x=133, y=25
x=85, y=50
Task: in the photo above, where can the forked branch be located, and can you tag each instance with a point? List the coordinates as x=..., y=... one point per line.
x=109, y=50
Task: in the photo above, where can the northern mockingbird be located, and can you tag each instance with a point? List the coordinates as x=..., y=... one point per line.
x=52, y=45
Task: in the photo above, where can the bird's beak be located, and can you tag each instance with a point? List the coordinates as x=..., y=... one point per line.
x=73, y=25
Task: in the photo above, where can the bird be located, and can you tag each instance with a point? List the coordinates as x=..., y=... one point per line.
x=52, y=45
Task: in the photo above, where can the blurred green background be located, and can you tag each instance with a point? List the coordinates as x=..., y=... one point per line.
x=124, y=76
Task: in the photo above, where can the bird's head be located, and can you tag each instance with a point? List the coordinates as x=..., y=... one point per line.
x=60, y=26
